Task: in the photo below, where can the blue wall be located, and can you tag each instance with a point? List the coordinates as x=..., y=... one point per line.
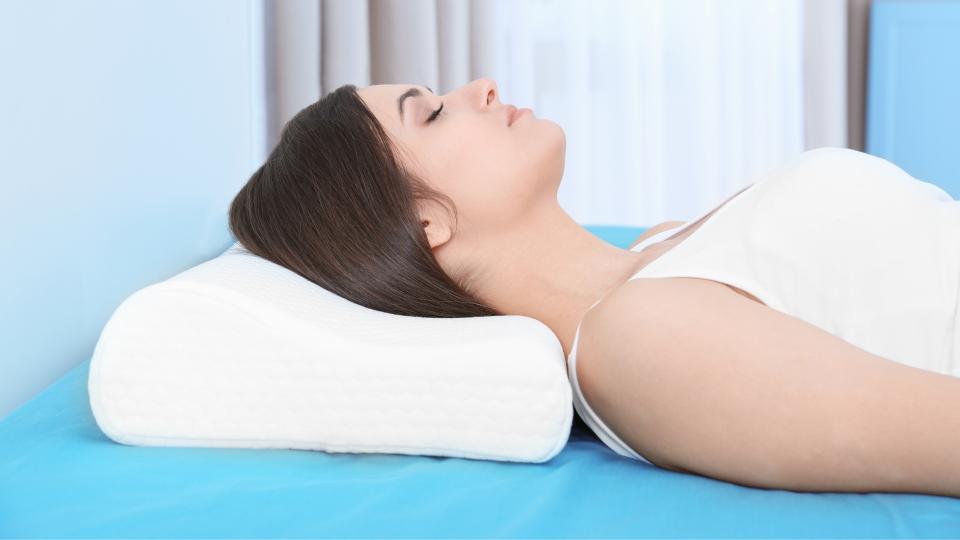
x=913, y=89
x=125, y=129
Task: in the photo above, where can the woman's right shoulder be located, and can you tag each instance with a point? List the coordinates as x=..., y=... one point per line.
x=631, y=319
x=606, y=328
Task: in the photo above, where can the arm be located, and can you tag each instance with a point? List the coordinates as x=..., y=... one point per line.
x=701, y=379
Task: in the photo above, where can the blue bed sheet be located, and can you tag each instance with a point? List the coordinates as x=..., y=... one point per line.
x=60, y=476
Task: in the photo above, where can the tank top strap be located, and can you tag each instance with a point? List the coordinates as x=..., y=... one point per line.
x=657, y=237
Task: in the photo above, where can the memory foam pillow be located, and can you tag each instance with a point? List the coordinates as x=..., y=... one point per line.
x=241, y=352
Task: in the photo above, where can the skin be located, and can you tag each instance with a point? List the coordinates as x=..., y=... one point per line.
x=699, y=380
x=514, y=244
x=694, y=374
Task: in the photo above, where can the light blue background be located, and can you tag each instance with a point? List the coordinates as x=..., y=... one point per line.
x=913, y=93
x=125, y=129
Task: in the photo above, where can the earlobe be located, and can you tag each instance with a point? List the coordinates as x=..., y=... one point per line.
x=434, y=226
x=437, y=233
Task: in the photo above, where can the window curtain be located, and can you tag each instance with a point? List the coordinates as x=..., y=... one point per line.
x=669, y=106
x=825, y=74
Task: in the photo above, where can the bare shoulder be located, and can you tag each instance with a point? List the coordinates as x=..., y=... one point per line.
x=640, y=303
x=686, y=318
x=628, y=330
x=696, y=377
x=633, y=321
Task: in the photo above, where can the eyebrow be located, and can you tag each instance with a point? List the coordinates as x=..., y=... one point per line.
x=412, y=92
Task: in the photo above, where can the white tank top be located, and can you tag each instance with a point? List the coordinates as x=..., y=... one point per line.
x=844, y=240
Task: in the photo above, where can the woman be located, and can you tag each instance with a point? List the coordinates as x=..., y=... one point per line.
x=762, y=343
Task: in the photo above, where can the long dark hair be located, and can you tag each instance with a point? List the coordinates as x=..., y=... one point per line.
x=334, y=204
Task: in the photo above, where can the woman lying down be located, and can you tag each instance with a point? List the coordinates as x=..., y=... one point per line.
x=801, y=335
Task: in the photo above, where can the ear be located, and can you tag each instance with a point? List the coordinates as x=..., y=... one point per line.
x=435, y=225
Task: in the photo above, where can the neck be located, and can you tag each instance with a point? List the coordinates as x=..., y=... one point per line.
x=551, y=269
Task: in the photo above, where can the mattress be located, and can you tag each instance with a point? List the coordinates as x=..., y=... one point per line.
x=60, y=476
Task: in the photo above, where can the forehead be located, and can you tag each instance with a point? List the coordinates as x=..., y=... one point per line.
x=381, y=99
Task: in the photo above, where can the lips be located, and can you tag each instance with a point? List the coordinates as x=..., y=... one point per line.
x=514, y=113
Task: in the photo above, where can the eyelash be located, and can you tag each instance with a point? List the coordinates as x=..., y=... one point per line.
x=435, y=114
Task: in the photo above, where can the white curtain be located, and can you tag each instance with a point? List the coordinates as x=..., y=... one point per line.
x=825, y=73
x=669, y=106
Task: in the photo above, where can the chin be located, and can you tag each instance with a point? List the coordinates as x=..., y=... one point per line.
x=561, y=136
x=549, y=157
x=559, y=152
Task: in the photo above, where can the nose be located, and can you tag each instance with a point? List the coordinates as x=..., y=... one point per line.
x=487, y=90
x=491, y=94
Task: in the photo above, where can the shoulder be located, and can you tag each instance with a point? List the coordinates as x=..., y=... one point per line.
x=674, y=322
x=671, y=319
x=648, y=299
x=630, y=317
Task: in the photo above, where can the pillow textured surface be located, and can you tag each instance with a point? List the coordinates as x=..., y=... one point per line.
x=241, y=352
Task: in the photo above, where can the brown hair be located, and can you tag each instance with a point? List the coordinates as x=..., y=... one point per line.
x=333, y=204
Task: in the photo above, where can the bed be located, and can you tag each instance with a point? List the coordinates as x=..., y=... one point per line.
x=60, y=476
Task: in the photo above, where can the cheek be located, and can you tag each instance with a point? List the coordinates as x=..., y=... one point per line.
x=489, y=170
x=495, y=176
x=494, y=192
x=525, y=166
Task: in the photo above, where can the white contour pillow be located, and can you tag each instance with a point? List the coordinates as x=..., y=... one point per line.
x=241, y=352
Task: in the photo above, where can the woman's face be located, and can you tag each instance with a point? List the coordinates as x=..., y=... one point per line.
x=495, y=173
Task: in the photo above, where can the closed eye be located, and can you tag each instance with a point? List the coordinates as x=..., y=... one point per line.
x=435, y=114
